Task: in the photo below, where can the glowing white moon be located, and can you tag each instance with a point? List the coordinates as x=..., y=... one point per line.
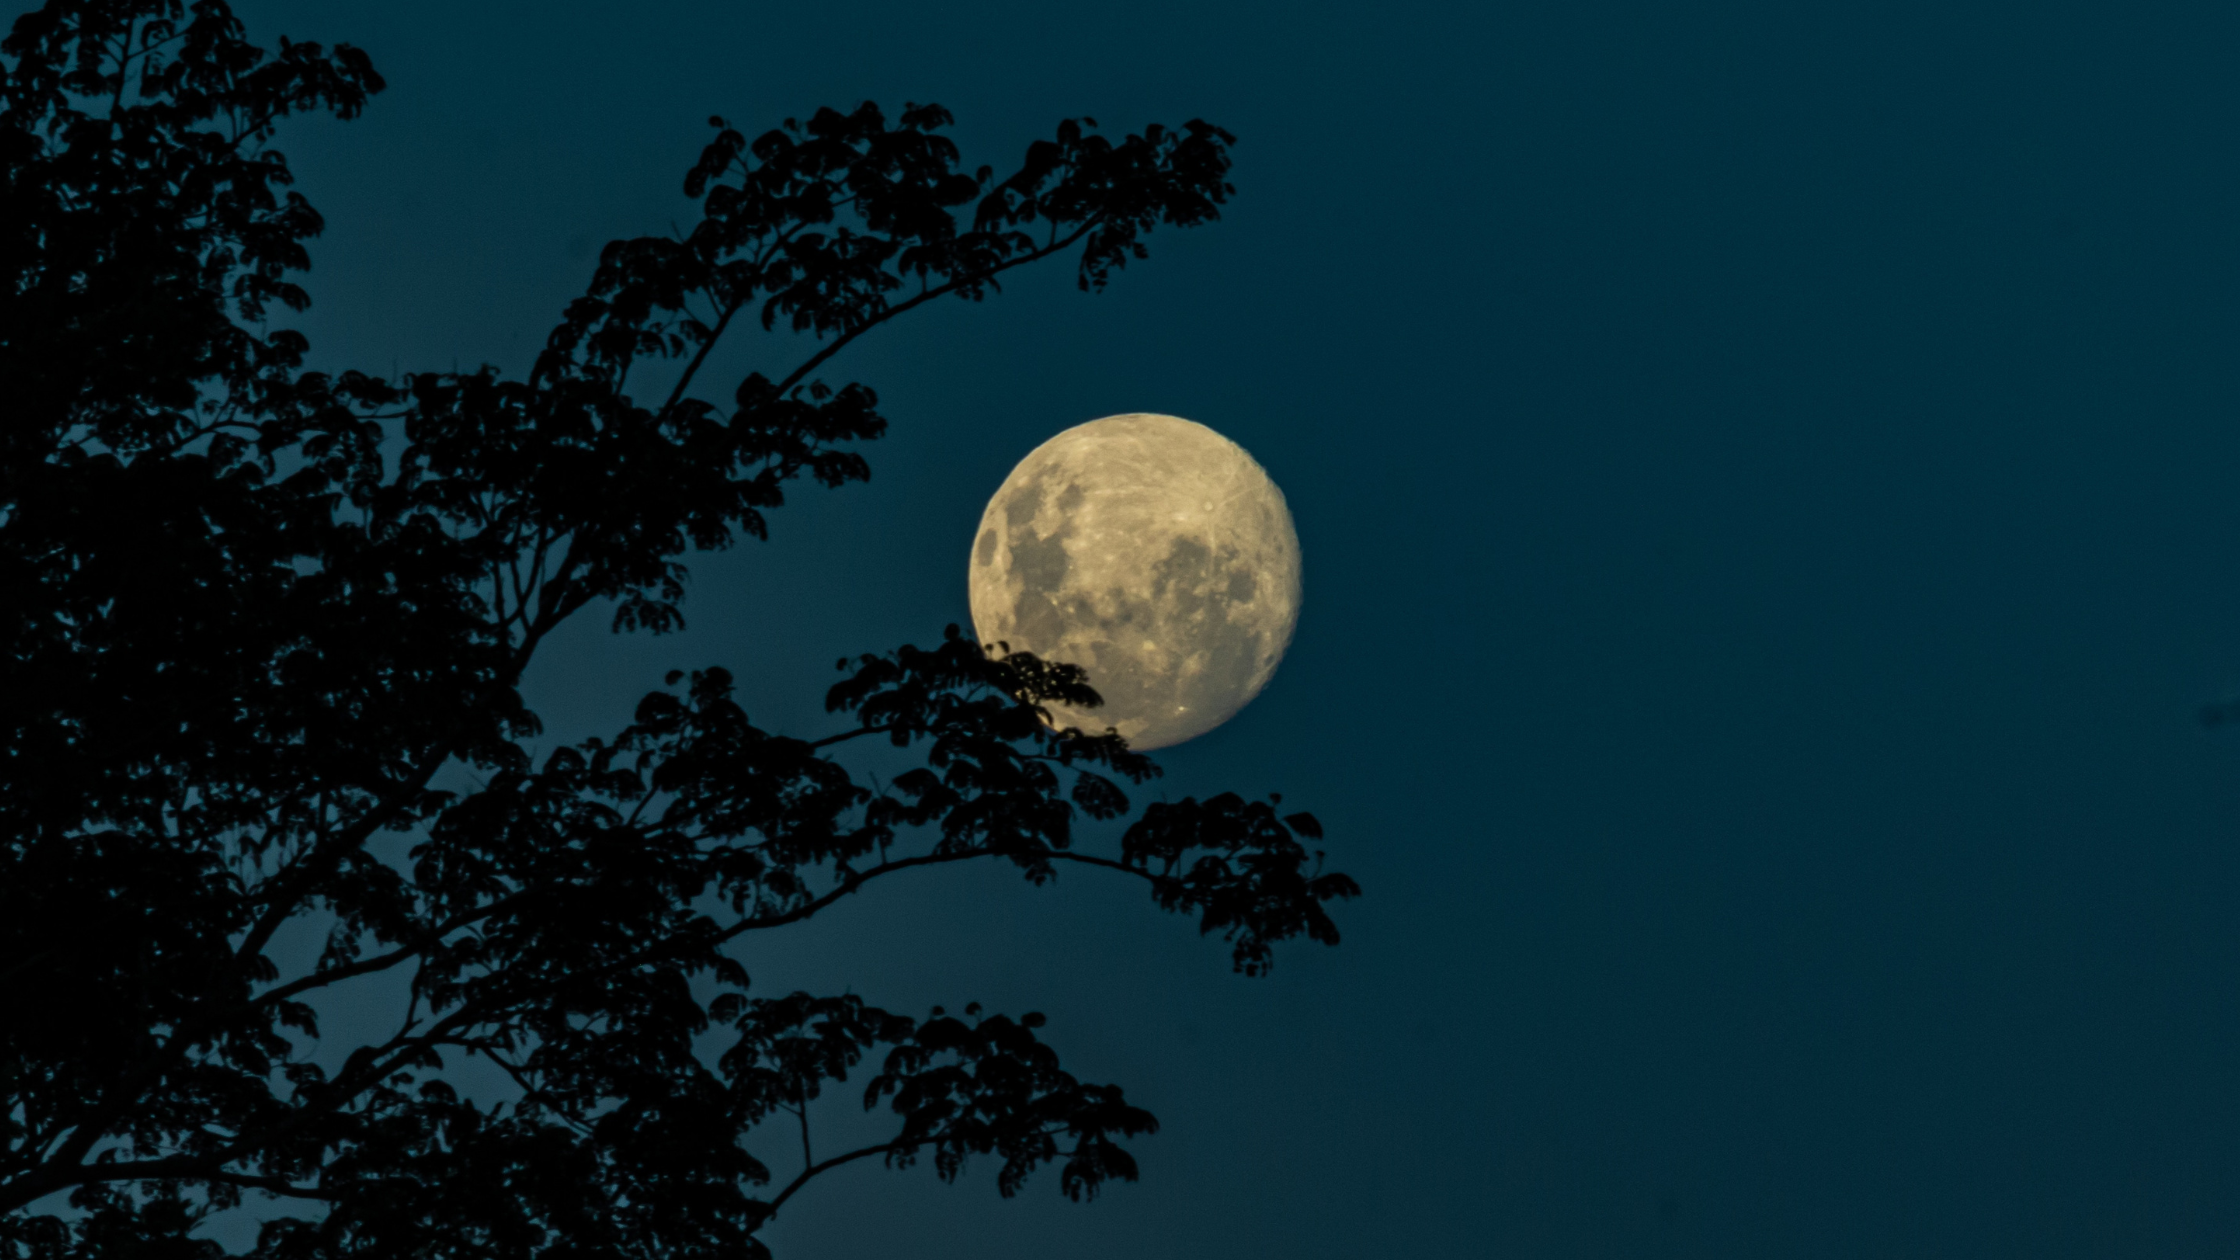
x=1155, y=554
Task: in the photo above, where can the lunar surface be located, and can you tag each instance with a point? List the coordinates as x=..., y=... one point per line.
x=1155, y=554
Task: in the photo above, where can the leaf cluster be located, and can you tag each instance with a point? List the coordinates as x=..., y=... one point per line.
x=262, y=631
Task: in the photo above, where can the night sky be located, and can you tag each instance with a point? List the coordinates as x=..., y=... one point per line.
x=1770, y=492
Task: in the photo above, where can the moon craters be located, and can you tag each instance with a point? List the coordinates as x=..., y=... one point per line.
x=1155, y=554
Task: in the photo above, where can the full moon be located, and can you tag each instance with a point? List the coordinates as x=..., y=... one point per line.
x=1155, y=554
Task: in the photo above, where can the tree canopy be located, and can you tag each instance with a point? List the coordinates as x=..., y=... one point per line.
x=252, y=613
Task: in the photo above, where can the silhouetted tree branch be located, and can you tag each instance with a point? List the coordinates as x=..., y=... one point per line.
x=252, y=615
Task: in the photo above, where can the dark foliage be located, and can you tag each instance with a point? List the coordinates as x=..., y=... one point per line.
x=251, y=616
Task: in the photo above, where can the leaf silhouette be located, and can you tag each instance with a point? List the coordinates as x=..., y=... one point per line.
x=256, y=617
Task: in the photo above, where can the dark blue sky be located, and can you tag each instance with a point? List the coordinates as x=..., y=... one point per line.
x=1770, y=490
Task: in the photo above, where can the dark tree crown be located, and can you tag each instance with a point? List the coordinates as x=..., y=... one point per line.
x=249, y=614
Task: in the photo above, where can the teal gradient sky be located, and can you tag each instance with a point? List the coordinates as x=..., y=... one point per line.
x=1769, y=483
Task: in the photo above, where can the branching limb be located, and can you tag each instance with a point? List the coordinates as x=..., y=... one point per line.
x=841, y=342
x=814, y=1171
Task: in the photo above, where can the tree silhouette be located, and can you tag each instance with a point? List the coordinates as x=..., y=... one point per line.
x=252, y=613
